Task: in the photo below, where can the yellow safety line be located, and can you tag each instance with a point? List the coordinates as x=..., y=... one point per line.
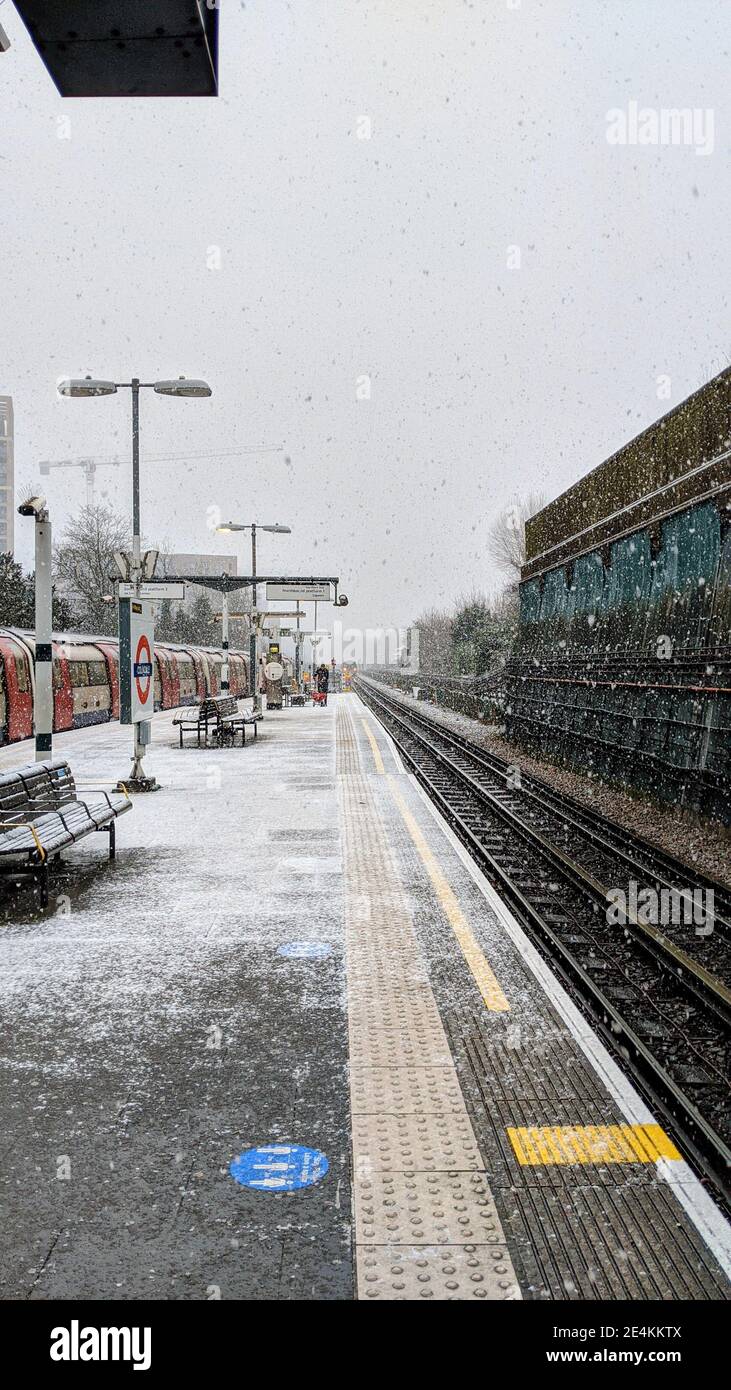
x=378, y=760
x=485, y=979
x=571, y=1144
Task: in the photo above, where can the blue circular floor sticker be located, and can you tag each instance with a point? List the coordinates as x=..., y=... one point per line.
x=305, y=950
x=279, y=1167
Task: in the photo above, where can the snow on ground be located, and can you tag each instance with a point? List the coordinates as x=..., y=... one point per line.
x=151, y=1031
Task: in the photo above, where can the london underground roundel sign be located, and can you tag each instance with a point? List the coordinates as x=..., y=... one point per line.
x=143, y=669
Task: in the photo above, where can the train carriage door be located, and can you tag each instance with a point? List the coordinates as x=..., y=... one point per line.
x=18, y=689
x=3, y=697
x=63, y=699
x=201, y=683
x=236, y=675
x=215, y=663
x=187, y=677
x=204, y=675
x=112, y=662
x=158, y=680
x=99, y=690
x=89, y=678
x=170, y=680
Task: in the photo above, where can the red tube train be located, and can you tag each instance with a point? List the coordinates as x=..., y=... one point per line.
x=86, y=679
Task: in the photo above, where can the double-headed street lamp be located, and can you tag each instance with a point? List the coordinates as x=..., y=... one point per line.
x=89, y=386
x=252, y=526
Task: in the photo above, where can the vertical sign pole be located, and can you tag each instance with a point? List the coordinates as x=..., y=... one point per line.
x=137, y=747
x=253, y=645
x=43, y=702
x=138, y=779
x=224, y=642
x=297, y=662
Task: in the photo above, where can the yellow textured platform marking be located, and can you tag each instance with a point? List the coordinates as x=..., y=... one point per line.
x=573, y=1144
x=426, y=1226
x=486, y=981
x=378, y=760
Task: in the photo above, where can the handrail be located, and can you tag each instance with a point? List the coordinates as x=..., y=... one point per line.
x=27, y=825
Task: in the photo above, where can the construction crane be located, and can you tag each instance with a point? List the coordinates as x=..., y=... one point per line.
x=89, y=466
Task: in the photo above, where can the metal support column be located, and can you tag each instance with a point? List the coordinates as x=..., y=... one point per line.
x=224, y=643
x=138, y=779
x=253, y=643
x=43, y=697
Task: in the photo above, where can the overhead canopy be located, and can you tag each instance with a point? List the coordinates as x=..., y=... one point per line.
x=227, y=583
x=125, y=48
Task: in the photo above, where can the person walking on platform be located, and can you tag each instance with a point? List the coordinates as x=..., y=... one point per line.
x=322, y=676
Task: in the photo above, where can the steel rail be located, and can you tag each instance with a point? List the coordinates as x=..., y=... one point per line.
x=707, y=1146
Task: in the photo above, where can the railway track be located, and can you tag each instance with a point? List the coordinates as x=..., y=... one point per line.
x=658, y=994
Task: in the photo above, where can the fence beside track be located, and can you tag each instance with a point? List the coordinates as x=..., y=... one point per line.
x=478, y=697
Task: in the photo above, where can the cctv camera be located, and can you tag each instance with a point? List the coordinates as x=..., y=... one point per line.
x=32, y=506
x=4, y=40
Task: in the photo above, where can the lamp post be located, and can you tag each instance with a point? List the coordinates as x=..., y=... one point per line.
x=43, y=691
x=88, y=386
x=252, y=526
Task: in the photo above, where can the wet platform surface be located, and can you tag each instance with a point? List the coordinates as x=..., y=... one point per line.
x=290, y=950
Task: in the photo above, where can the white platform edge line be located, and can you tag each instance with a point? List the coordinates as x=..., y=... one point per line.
x=708, y=1220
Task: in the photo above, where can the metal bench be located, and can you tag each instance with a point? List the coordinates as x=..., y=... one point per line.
x=218, y=715
x=42, y=813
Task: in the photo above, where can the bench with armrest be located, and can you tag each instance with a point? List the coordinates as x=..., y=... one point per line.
x=42, y=812
x=218, y=715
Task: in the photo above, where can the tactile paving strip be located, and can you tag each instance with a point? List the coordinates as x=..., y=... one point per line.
x=419, y=1179
x=398, y=1143
x=404, y=1090
x=380, y=1047
x=454, y=1272
x=426, y=1209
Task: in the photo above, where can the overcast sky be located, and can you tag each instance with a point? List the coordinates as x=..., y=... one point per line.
x=389, y=258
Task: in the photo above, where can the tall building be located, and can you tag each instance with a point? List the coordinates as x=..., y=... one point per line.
x=7, y=476
x=210, y=565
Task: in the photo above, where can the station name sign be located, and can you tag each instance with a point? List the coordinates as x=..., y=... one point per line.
x=299, y=589
x=136, y=657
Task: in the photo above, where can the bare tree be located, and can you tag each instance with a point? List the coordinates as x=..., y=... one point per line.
x=84, y=565
x=435, y=640
x=506, y=536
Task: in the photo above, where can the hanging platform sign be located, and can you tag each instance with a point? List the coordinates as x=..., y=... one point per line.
x=136, y=661
x=157, y=590
x=299, y=589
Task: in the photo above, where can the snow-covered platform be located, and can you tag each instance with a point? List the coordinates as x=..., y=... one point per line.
x=293, y=956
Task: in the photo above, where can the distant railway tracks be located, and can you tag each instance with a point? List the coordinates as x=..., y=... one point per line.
x=659, y=994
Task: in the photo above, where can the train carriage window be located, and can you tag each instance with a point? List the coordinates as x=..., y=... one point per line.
x=98, y=673
x=57, y=677
x=79, y=673
x=21, y=673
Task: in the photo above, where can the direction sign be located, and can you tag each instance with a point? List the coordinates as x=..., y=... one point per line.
x=154, y=590
x=299, y=589
x=136, y=664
